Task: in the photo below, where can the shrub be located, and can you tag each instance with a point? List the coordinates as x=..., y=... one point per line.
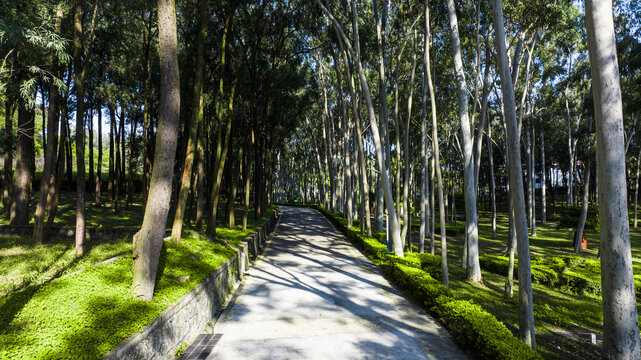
x=480, y=332
x=569, y=217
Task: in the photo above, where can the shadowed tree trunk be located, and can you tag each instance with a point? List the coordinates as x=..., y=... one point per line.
x=586, y=194
x=543, y=180
x=55, y=187
x=194, y=123
x=636, y=188
x=235, y=168
x=80, y=130
x=200, y=148
x=247, y=188
x=148, y=242
x=222, y=116
x=8, y=152
x=53, y=118
x=620, y=322
x=112, y=122
x=24, y=168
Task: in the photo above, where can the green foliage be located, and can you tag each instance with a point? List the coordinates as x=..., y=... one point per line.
x=181, y=349
x=57, y=311
x=569, y=217
x=480, y=332
x=90, y=312
x=573, y=273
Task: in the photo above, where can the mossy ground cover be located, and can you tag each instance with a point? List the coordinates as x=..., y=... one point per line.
x=55, y=304
x=566, y=292
x=564, y=312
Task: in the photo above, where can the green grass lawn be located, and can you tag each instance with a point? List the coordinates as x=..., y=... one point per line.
x=55, y=304
x=563, y=318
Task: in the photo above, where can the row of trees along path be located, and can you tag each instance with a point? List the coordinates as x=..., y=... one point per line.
x=202, y=104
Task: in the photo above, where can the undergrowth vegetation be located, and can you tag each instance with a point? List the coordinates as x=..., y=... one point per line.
x=56, y=305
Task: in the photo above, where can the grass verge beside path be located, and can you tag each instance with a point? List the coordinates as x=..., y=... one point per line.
x=87, y=313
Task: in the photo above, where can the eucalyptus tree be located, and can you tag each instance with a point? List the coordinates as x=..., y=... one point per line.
x=620, y=322
x=354, y=50
x=471, y=221
x=526, y=312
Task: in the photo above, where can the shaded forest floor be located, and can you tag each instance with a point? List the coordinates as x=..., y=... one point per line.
x=54, y=303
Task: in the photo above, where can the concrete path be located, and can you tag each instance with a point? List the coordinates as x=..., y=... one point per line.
x=313, y=296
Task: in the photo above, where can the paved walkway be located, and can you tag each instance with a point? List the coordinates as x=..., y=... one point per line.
x=313, y=296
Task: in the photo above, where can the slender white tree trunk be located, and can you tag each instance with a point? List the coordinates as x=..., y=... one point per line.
x=526, y=312
x=543, y=180
x=435, y=147
x=532, y=181
x=492, y=179
x=395, y=233
x=636, y=188
x=471, y=223
x=620, y=322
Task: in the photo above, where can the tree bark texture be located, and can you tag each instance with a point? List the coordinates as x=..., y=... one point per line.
x=526, y=313
x=148, y=241
x=620, y=322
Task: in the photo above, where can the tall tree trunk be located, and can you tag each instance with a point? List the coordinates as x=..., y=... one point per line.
x=526, y=312
x=543, y=181
x=55, y=187
x=132, y=142
x=24, y=167
x=433, y=206
x=492, y=179
x=424, y=170
x=80, y=130
x=636, y=187
x=194, y=123
x=407, y=228
x=53, y=118
x=471, y=224
x=620, y=322
x=117, y=158
x=222, y=116
x=435, y=146
x=247, y=187
x=68, y=156
x=200, y=147
x=395, y=233
x=586, y=194
x=532, y=181
x=8, y=152
x=235, y=170
x=148, y=241
x=92, y=174
x=112, y=122
x=363, y=183
x=146, y=127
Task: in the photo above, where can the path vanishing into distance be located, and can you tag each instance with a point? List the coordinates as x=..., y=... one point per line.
x=314, y=296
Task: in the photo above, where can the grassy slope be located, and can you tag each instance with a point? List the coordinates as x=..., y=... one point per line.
x=50, y=310
x=563, y=319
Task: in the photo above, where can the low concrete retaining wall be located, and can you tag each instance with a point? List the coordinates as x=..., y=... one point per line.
x=194, y=311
